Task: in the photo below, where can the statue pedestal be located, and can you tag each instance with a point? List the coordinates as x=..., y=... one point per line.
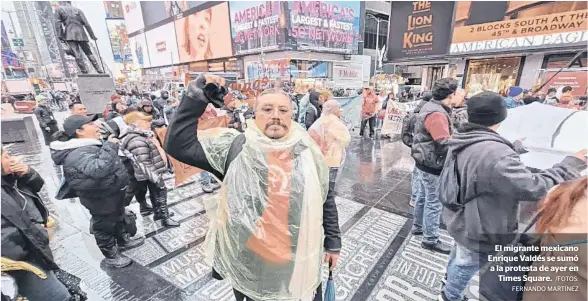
x=18, y=128
x=95, y=91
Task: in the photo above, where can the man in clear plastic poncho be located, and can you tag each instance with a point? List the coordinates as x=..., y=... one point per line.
x=276, y=215
x=331, y=135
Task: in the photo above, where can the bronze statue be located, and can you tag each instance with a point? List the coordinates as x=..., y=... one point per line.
x=69, y=24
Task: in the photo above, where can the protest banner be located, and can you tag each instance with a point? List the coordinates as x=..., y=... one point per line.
x=183, y=171
x=395, y=114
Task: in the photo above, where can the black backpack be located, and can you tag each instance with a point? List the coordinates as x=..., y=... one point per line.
x=407, y=131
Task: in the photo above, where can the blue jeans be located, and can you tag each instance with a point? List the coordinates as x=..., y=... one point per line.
x=463, y=265
x=35, y=288
x=417, y=190
x=427, y=207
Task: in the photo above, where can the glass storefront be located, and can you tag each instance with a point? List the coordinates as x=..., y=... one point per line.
x=494, y=75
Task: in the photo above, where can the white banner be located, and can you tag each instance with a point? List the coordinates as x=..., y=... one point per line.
x=395, y=113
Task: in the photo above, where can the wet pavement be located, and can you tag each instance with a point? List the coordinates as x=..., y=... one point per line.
x=380, y=259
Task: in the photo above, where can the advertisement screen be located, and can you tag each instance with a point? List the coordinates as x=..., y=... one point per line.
x=258, y=23
x=133, y=16
x=162, y=45
x=114, y=9
x=331, y=26
x=153, y=12
x=138, y=46
x=119, y=40
x=419, y=28
x=482, y=26
x=204, y=35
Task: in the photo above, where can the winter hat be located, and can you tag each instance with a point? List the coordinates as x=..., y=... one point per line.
x=514, y=91
x=486, y=108
x=146, y=102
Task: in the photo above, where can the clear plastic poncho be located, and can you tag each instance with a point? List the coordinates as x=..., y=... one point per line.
x=332, y=136
x=266, y=234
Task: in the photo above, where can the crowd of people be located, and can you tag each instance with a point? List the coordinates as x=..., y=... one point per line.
x=275, y=161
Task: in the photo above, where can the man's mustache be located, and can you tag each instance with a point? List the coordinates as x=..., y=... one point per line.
x=275, y=122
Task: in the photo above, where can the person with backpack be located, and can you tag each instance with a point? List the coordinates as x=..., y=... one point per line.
x=431, y=133
x=406, y=135
x=483, y=182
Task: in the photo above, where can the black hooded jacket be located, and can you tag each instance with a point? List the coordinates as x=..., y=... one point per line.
x=23, y=219
x=94, y=172
x=314, y=110
x=44, y=116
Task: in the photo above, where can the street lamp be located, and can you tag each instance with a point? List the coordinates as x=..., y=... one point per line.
x=378, y=20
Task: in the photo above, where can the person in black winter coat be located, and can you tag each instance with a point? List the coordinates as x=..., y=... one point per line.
x=24, y=236
x=46, y=119
x=273, y=118
x=94, y=172
x=314, y=109
x=149, y=163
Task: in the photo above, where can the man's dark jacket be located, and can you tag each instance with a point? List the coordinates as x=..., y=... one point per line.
x=94, y=172
x=182, y=143
x=428, y=154
x=70, y=23
x=23, y=231
x=314, y=110
x=44, y=116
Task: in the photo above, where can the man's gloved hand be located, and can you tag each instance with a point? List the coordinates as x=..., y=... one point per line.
x=211, y=86
x=48, y=129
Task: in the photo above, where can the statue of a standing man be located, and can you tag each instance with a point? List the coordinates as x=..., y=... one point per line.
x=69, y=23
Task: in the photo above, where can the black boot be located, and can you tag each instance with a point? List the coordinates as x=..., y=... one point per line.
x=126, y=242
x=145, y=209
x=82, y=65
x=114, y=259
x=95, y=63
x=162, y=213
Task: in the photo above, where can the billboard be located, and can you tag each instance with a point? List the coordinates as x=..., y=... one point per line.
x=482, y=26
x=119, y=40
x=257, y=24
x=138, y=47
x=114, y=10
x=331, y=26
x=162, y=46
x=133, y=16
x=419, y=28
x=204, y=35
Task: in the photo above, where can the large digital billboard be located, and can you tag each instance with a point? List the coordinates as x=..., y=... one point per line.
x=331, y=26
x=205, y=34
x=483, y=26
x=258, y=23
x=162, y=45
x=138, y=46
x=119, y=40
x=133, y=16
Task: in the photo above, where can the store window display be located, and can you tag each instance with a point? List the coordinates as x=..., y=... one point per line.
x=495, y=75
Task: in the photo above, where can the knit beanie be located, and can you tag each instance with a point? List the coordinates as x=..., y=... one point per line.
x=514, y=91
x=486, y=108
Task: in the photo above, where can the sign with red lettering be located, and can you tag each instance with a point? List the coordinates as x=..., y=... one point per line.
x=331, y=26
x=419, y=28
x=256, y=25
